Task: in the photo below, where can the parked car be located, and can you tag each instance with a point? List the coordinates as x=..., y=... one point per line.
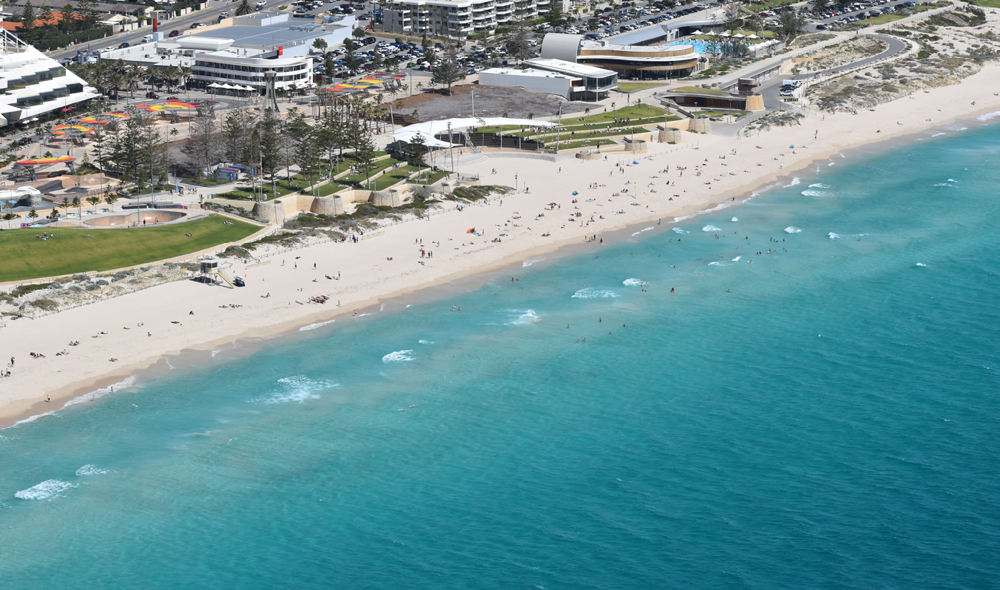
x=123, y=46
x=174, y=33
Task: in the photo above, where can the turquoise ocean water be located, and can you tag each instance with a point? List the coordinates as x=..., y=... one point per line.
x=826, y=417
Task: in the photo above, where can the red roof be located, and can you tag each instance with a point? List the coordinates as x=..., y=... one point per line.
x=53, y=19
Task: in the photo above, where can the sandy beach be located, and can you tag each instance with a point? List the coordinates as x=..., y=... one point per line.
x=670, y=181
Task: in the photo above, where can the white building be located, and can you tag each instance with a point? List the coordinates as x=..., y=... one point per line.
x=33, y=84
x=596, y=83
x=568, y=87
x=457, y=19
x=239, y=50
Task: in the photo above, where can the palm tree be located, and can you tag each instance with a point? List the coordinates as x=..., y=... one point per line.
x=185, y=73
x=110, y=199
x=94, y=202
x=79, y=206
x=244, y=8
x=8, y=206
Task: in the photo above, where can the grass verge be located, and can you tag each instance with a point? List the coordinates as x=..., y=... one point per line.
x=71, y=251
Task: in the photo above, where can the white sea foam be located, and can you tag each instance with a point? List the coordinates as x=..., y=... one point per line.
x=647, y=228
x=678, y=230
x=400, y=356
x=819, y=185
x=962, y=128
x=832, y=164
x=296, y=389
x=716, y=263
x=718, y=207
x=921, y=264
x=424, y=342
x=33, y=418
x=361, y=315
x=99, y=393
x=47, y=490
x=636, y=233
x=737, y=259
x=735, y=219
x=795, y=181
x=710, y=228
x=938, y=134
x=530, y=261
x=988, y=116
x=632, y=282
x=90, y=470
x=813, y=193
x=791, y=229
x=952, y=180
x=833, y=236
x=589, y=293
x=942, y=184
x=314, y=326
x=524, y=316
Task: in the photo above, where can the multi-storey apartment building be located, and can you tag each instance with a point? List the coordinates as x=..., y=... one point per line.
x=33, y=84
x=457, y=19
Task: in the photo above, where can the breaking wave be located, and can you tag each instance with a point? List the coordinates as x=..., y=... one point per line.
x=400, y=356
x=47, y=490
x=589, y=293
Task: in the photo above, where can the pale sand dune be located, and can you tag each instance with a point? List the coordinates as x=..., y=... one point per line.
x=368, y=276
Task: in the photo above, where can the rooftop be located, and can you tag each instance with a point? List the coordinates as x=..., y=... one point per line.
x=640, y=36
x=638, y=50
x=527, y=72
x=567, y=67
x=285, y=32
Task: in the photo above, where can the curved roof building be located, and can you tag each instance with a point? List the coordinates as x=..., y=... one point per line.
x=629, y=61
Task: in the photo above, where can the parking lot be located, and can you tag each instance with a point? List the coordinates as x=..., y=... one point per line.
x=838, y=18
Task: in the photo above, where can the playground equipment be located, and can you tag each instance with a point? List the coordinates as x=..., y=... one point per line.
x=31, y=168
x=211, y=272
x=77, y=134
x=175, y=109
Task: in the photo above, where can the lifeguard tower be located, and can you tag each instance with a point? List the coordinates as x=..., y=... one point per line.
x=211, y=271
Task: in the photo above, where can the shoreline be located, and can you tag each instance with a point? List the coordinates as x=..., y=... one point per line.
x=155, y=362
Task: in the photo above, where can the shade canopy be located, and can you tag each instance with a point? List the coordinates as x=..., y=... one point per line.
x=430, y=128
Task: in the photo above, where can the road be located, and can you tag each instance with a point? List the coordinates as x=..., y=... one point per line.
x=771, y=89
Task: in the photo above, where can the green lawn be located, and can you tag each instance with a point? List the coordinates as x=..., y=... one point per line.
x=71, y=251
x=637, y=86
x=577, y=144
x=584, y=131
x=698, y=89
x=987, y=3
x=380, y=181
x=637, y=112
x=735, y=114
x=550, y=139
x=211, y=181
x=430, y=179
